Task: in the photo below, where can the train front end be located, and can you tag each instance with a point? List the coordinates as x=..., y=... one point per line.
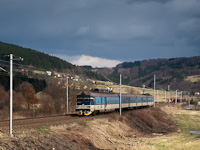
x=84, y=105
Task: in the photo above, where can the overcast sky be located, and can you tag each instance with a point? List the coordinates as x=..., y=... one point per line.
x=103, y=32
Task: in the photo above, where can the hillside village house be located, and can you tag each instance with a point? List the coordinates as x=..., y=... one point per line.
x=48, y=73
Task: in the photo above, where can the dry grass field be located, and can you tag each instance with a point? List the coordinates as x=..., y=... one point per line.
x=195, y=78
x=144, y=130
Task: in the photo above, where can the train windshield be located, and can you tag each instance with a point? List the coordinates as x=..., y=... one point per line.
x=85, y=98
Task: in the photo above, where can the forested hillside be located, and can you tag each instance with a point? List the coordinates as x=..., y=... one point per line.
x=33, y=57
x=172, y=72
x=44, y=61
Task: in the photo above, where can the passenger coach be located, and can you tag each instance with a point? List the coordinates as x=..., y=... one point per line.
x=94, y=102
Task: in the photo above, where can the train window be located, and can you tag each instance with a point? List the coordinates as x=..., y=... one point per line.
x=91, y=98
x=80, y=98
x=127, y=99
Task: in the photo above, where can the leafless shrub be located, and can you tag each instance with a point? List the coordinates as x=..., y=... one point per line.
x=18, y=101
x=4, y=103
x=152, y=120
x=4, y=98
x=29, y=94
x=58, y=96
x=46, y=104
x=132, y=91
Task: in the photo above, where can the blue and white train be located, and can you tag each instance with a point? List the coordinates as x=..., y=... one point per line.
x=94, y=102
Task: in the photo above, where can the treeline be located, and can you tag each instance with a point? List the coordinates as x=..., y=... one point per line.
x=33, y=57
x=18, y=79
x=94, y=75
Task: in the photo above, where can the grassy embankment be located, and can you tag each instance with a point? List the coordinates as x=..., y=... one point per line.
x=187, y=120
x=111, y=134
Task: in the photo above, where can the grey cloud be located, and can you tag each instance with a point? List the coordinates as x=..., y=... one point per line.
x=141, y=29
x=147, y=1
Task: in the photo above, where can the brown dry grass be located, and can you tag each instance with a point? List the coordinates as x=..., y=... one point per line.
x=131, y=131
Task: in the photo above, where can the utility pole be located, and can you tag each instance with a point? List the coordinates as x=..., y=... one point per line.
x=165, y=97
x=11, y=92
x=67, y=94
x=157, y=97
x=176, y=98
x=168, y=94
x=154, y=89
x=120, y=99
x=143, y=88
x=181, y=96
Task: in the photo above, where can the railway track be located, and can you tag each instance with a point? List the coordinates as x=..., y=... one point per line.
x=34, y=123
x=38, y=122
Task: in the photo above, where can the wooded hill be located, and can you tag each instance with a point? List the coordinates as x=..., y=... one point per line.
x=33, y=57
x=174, y=72
x=44, y=61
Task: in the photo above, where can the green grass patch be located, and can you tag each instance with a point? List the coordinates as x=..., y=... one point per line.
x=83, y=123
x=149, y=143
x=38, y=72
x=43, y=130
x=187, y=122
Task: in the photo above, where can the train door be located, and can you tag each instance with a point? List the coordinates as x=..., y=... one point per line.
x=101, y=99
x=105, y=103
x=98, y=101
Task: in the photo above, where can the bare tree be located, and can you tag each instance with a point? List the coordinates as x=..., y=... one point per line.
x=4, y=103
x=29, y=95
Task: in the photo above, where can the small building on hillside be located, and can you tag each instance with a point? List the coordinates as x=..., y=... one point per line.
x=48, y=73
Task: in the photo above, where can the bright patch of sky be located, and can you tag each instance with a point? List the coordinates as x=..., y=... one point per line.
x=95, y=62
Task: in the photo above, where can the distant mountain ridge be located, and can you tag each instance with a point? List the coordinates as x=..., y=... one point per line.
x=172, y=72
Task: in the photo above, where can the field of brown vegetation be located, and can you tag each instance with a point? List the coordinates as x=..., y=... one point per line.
x=151, y=128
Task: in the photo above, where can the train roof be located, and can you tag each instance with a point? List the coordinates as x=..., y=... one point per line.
x=110, y=94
